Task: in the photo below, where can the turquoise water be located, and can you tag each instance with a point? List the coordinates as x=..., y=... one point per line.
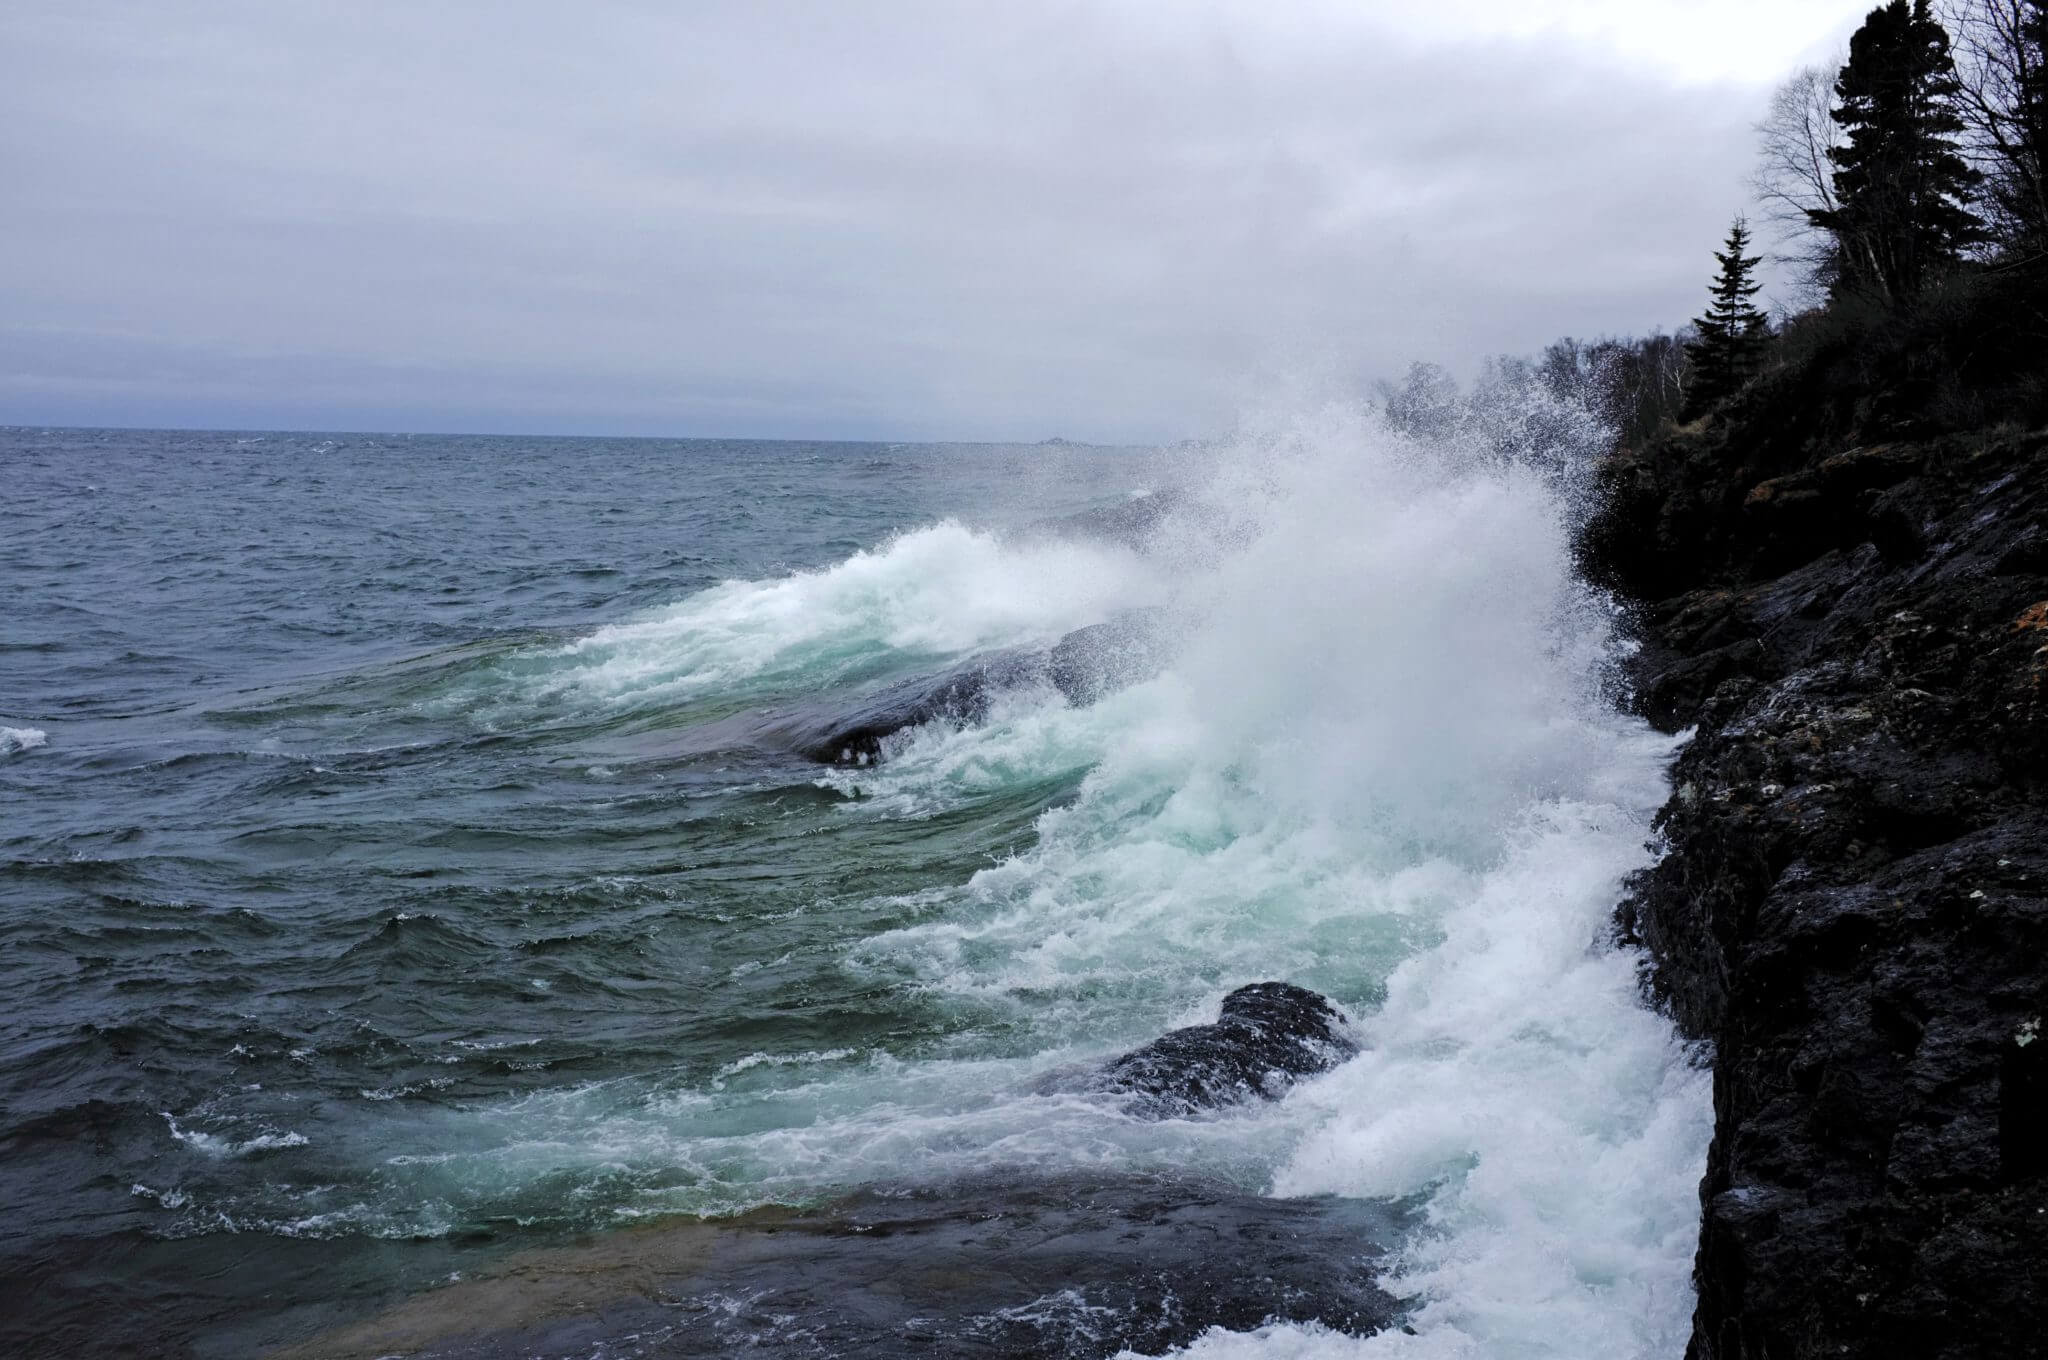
x=389, y=875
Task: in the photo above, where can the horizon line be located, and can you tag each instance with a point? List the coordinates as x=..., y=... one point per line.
x=1053, y=441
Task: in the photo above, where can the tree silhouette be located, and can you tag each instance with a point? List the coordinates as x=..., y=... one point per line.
x=2026, y=188
x=1732, y=333
x=1795, y=173
x=1426, y=405
x=1900, y=184
x=2001, y=50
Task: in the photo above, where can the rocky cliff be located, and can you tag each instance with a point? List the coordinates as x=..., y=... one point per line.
x=1848, y=600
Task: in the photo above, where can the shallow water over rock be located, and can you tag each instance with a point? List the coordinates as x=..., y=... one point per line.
x=1068, y=1266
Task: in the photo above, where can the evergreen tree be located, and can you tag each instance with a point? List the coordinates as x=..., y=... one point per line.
x=1900, y=184
x=1733, y=332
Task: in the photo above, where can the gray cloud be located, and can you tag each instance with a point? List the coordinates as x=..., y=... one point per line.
x=892, y=220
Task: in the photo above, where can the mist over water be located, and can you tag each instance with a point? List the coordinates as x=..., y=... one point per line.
x=1383, y=766
x=483, y=933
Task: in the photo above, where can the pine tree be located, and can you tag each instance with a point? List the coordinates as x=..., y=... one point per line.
x=1733, y=332
x=1900, y=184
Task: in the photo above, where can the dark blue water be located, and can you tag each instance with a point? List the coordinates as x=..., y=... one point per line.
x=295, y=867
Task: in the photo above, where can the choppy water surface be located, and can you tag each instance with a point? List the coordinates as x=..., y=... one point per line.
x=381, y=886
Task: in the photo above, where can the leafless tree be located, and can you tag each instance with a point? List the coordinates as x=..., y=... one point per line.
x=1998, y=61
x=1795, y=176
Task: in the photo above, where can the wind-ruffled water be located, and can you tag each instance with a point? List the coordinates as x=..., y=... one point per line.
x=384, y=882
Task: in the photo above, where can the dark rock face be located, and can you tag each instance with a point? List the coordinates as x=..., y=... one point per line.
x=1085, y=665
x=1073, y=1268
x=1268, y=1035
x=1854, y=904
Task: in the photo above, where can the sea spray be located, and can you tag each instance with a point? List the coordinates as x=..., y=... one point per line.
x=936, y=591
x=1381, y=765
x=1384, y=765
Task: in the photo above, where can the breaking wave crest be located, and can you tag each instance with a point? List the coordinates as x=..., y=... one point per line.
x=933, y=592
x=1383, y=765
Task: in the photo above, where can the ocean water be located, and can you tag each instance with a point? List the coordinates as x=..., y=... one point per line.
x=385, y=877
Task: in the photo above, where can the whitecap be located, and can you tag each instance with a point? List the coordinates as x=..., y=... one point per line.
x=219, y=1145
x=17, y=739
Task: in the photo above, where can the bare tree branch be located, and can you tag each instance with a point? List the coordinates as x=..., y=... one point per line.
x=1795, y=176
x=1996, y=63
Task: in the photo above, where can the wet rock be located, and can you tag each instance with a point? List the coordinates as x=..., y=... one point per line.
x=1074, y=1267
x=1083, y=666
x=1268, y=1036
x=1853, y=907
x=852, y=732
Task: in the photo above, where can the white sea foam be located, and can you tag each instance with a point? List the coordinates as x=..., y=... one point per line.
x=935, y=591
x=1383, y=765
x=219, y=1145
x=754, y=1060
x=1380, y=766
x=16, y=739
x=170, y=1199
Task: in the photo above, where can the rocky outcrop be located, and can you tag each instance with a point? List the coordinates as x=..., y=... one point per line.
x=1853, y=905
x=1268, y=1036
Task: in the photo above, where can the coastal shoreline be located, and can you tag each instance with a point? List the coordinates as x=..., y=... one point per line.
x=1851, y=905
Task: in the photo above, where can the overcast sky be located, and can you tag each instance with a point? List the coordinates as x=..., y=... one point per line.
x=874, y=219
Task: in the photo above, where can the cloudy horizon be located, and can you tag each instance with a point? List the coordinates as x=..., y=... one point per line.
x=1113, y=222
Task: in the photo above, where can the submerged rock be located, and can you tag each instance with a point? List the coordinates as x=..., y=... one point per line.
x=1268, y=1036
x=1076, y=1267
x=851, y=732
x=1083, y=666
x=1094, y=662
